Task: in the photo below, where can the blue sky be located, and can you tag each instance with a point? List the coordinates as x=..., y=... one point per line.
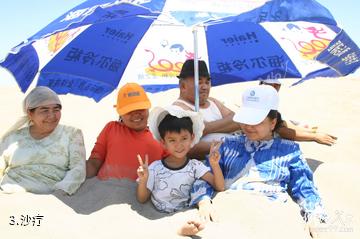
x=22, y=18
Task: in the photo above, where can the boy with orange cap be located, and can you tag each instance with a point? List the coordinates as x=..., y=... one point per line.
x=115, y=152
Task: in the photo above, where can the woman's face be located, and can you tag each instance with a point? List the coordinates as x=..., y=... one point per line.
x=45, y=118
x=136, y=120
x=261, y=131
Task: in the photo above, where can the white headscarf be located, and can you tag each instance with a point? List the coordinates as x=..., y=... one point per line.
x=39, y=96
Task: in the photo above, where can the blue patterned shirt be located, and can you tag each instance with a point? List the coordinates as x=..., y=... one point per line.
x=273, y=168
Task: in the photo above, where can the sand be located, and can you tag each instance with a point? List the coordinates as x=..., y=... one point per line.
x=108, y=209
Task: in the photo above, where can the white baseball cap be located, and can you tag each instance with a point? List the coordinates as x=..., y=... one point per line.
x=159, y=113
x=256, y=104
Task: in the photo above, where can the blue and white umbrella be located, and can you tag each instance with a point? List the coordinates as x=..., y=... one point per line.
x=101, y=44
x=272, y=43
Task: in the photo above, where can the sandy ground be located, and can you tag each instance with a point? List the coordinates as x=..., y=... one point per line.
x=108, y=209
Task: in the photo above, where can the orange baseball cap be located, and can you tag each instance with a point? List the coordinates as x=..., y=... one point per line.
x=131, y=97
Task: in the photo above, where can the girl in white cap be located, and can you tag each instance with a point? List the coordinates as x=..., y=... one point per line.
x=263, y=164
x=38, y=154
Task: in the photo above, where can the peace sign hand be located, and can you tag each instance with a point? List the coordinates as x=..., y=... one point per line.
x=214, y=157
x=142, y=171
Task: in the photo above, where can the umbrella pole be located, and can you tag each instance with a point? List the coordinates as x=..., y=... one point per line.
x=196, y=69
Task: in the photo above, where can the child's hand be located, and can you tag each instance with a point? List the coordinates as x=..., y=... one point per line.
x=142, y=171
x=214, y=157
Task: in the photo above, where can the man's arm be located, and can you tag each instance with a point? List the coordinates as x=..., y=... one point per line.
x=199, y=150
x=224, y=125
x=299, y=134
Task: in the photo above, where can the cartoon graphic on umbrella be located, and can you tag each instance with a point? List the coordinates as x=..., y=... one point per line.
x=100, y=44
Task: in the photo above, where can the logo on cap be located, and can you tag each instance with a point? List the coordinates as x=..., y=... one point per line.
x=252, y=96
x=133, y=93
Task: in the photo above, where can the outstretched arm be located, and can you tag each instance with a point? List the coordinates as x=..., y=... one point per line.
x=287, y=131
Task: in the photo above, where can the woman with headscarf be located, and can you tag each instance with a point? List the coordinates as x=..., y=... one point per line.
x=39, y=155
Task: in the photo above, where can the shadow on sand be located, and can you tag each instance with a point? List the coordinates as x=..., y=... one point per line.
x=313, y=163
x=95, y=195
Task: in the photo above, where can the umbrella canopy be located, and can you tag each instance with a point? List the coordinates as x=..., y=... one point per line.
x=282, y=39
x=98, y=44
